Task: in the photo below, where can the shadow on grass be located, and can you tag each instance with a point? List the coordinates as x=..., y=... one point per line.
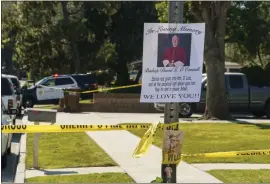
x=56, y=172
x=259, y=125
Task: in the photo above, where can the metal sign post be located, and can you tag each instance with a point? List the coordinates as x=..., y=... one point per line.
x=37, y=116
x=35, y=148
x=171, y=111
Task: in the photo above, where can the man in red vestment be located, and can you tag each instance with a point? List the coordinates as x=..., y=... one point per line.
x=175, y=56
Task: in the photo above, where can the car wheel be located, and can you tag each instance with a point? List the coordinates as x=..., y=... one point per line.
x=56, y=102
x=185, y=110
x=4, y=161
x=29, y=103
x=267, y=111
x=258, y=114
x=20, y=111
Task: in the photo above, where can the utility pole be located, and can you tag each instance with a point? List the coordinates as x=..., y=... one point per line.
x=171, y=111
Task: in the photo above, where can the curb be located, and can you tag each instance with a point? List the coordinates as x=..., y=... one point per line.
x=20, y=172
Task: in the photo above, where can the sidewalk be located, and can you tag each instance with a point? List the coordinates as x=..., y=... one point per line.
x=111, y=118
x=120, y=145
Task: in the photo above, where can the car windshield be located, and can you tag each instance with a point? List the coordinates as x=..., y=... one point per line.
x=6, y=88
x=40, y=81
x=15, y=83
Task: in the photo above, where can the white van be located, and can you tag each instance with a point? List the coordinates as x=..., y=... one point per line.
x=6, y=119
x=8, y=95
x=17, y=86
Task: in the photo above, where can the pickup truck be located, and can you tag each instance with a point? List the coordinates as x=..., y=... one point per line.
x=241, y=97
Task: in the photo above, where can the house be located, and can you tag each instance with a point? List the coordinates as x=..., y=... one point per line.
x=232, y=67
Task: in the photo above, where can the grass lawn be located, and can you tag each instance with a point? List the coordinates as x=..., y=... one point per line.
x=67, y=150
x=242, y=176
x=86, y=178
x=209, y=137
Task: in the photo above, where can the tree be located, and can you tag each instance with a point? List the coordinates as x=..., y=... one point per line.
x=58, y=36
x=71, y=33
x=162, y=8
x=100, y=50
x=8, y=37
x=127, y=34
x=248, y=32
x=214, y=14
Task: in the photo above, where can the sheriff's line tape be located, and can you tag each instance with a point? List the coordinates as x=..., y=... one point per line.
x=113, y=88
x=83, y=128
x=66, y=128
x=230, y=154
x=96, y=90
x=78, y=128
x=176, y=158
x=146, y=141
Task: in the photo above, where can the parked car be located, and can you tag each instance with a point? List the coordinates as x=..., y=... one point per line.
x=86, y=82
x=8, y=95
x=17, y=86
x=48, y=90
x=6, y=119
x=242, y=98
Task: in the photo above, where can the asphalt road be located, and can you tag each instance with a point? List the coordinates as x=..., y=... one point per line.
x=8, y=174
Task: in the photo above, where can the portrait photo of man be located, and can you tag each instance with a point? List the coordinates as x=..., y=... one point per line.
x=168, y=171
x=174, y=50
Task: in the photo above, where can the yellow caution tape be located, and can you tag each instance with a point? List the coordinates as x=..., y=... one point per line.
x=143, y=145
x=96, y=90
x=113, y=88
x=67, y=128
x=175, y=159
x=230, y=154
x=78, y=128
x=171, y=158
x=146, y=141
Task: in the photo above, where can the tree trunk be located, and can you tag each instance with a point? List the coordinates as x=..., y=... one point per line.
x=216, y=98
x=214, y=14
x=122, y=74
x=75, y=54
x=7, y=55
x=72, y=39
x=259, y=55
